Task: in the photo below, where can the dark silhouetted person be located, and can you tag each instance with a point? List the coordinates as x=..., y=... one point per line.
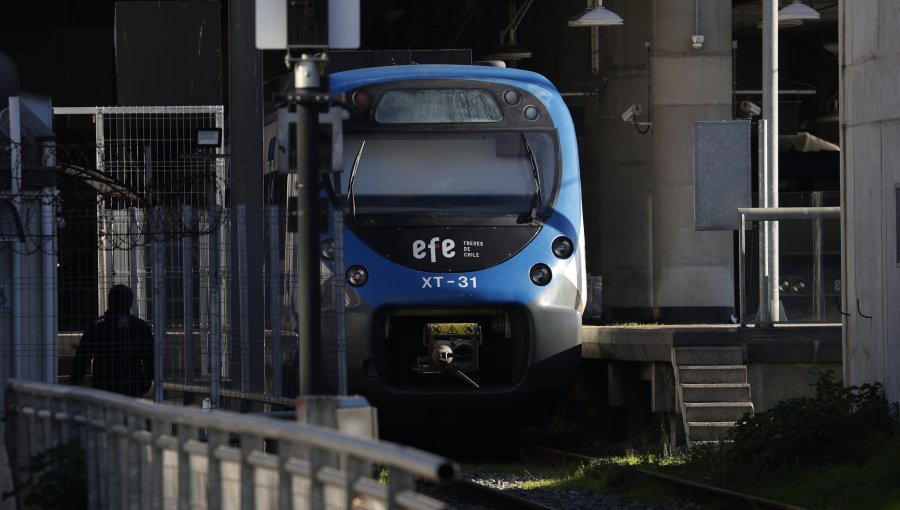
x=121, y=347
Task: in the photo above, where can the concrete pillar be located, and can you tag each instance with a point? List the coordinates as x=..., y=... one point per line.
x=621, y=219
x=870, y=187
x=246, y=134
x=693, y=275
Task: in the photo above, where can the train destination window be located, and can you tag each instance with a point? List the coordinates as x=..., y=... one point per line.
x=436, y=106
x=455, y=172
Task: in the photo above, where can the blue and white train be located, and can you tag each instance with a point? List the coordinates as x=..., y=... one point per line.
x=463, y=243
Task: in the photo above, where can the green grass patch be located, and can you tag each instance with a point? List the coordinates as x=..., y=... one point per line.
x=874, y=483
x=838, y=450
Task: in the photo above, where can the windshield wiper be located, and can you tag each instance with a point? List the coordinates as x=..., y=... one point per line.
x=536, y=174
x=350, y=198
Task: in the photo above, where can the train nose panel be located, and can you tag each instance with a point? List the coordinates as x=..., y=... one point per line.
x=428, y=347
x=453, y=349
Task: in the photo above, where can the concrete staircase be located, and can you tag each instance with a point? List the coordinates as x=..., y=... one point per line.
x=712, y=389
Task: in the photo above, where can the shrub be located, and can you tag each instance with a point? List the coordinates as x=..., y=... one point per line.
x=835, y=426
x=55, y=479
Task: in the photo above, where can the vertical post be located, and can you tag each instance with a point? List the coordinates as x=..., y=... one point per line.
x=742, y=235
x=133, y=240
x=770, y=113
x=245, y=126
x=102, y=284
x=244, y=299
x=15, y=157
x=214, y=310
x=159, y=280
x=763, y=315
x=818, y=295
x=159, y=304
x=48, y=254
x=187, y=275
x=339, y=311
x=204, y=283
x=306, y=79
x=275, y=298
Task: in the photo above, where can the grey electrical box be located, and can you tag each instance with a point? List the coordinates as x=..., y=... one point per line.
x=722, y=162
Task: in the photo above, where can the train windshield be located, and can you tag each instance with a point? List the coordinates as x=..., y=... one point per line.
x=451, y=172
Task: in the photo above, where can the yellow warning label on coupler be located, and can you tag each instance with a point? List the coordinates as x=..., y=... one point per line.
x=455, y=329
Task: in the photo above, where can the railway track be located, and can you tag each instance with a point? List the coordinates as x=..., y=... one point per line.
x=686, y=489
x=488, y=497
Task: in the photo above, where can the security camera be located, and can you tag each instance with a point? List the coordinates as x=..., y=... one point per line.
x=750, y=109
x=697, y=41
x=632, y=112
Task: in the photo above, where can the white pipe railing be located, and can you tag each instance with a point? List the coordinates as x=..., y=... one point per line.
x=772, y=214
x=147, y=455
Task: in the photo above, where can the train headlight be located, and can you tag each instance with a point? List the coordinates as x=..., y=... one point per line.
x=512, y=97
x=362, y=98
x=326, y=249
x=563, y=247
x=357, y=276
x=540, y=274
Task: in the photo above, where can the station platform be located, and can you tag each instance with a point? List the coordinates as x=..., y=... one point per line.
x=636, y=367
x=777, y=344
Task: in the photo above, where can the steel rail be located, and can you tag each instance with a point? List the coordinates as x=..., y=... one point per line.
x=683, y=488
x=489, y=497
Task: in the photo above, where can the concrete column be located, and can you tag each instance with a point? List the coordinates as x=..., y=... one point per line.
x=246, y=134
x=870, y=188
x=693, y=275
x=623, y=175
x=616, y=160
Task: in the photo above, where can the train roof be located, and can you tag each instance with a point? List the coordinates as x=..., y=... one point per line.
x=346, y=80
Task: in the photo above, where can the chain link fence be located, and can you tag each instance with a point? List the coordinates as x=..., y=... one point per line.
x=145, y=206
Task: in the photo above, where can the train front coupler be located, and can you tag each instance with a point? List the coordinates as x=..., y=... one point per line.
x=452, y=348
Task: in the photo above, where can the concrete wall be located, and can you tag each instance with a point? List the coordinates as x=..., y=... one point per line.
x=638, y=188
x=623, y=167
x=870, y=137
x=692, y=271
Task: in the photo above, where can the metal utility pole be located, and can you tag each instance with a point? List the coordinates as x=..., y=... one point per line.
x=769, y=297
x=307, y=33
x=306, y=84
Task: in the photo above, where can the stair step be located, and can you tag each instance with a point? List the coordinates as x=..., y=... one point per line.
x=702, y=431
x=711, y=374
x=716, y=411
x=693, y=393
x=709, y=356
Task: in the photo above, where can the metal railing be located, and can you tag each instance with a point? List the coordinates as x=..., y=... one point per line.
x=144, y=455
x=777, y=214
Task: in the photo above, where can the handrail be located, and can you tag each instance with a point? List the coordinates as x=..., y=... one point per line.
x=200, y=389
x=773, y=214
x=789, y=213
x=97, y=417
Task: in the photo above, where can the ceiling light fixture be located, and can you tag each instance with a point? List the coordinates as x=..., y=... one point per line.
x=798, y=11
x=597, y=16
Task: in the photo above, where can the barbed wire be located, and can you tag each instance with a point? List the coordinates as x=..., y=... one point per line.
x=156, y=201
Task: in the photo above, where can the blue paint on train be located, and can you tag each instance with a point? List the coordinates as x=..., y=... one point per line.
x=503, y=143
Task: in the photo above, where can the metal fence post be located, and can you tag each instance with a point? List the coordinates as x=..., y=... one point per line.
x=214, y=309
x=339, y=311
x=275, y=287
x=818, y=294
x=742, y=270
x=159, y=304
x=243, y=292
x=133, y=240
x=187, y=275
